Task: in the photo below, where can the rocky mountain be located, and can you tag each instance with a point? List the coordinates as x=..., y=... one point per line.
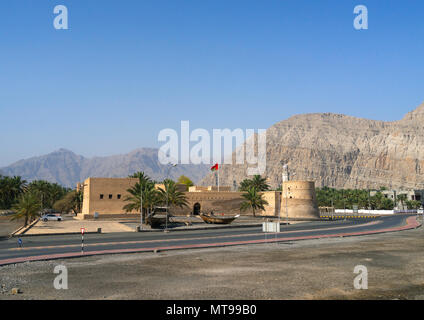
x=341, y=151
x=67, y=168
x=331, y=149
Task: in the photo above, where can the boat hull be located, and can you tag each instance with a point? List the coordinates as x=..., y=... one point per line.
x=217, y=220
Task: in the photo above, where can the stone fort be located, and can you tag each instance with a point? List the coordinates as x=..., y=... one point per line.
x=106, y=197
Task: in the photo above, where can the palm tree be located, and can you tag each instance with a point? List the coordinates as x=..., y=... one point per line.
x=253, y=201
x=171, y=195
x=257, y=182
x=10, y=190
x=48, y=193
x=380, y=202
x=402, y=198
x=260, y=183
x=28, y=207
x=140, y=175
x=245, y=185
x=55, y=192
x=150, y=195
x=40, y=188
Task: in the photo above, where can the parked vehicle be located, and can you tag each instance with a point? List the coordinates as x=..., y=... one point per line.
x=51, y=217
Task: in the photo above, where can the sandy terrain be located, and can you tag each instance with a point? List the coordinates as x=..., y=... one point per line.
x=7, y=226
x=311, y=269
x=73, y=225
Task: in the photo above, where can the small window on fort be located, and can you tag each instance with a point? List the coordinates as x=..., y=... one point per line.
x=119, y=196
x=110, y=196
x=101, y=196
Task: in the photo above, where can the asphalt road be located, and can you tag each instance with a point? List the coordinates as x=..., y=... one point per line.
x=51, y=247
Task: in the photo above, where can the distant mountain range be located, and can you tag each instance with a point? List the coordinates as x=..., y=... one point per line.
x=67, y=168
x=333, y=150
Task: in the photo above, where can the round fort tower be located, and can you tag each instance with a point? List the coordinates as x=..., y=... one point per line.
x=299, y=200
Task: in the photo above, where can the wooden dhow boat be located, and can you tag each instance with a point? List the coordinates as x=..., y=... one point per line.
x=213, y=219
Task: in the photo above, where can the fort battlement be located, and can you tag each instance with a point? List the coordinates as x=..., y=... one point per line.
x=106, y=197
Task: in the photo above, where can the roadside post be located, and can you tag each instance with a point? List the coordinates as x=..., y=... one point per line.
x=421, y=210
x=82, y=240
x=167, y=196
x=141, y=205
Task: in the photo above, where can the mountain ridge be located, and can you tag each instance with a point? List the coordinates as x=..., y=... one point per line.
x=334, y=150
x=68, y=168
x=341, y=151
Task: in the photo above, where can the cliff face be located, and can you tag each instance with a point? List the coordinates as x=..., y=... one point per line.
x=342, y=151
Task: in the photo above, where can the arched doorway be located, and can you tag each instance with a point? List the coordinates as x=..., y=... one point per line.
x=196, y=209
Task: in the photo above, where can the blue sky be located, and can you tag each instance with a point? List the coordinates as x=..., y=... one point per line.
x=127, y=69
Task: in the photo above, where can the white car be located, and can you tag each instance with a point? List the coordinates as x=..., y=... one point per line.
x=51, y=217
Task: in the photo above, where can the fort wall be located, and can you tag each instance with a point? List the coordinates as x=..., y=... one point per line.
x=299, y=199
x=106, y=196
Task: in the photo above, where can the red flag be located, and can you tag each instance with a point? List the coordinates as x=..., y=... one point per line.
x=215, y=167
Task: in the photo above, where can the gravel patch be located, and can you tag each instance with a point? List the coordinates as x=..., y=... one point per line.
x=309, y=269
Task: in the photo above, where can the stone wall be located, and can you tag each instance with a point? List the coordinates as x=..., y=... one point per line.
x=299, y=199
x=114, y=190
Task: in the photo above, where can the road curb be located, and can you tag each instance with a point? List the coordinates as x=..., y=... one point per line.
x=207, y=228
x=25, y=229
x=14, y=232
x=55, y=234
x=411, y=223
x=146, y=231
x=171, y=230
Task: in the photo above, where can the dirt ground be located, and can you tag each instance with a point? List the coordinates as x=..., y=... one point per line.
x=311, y=269
x=7, y=226
x=72, y=226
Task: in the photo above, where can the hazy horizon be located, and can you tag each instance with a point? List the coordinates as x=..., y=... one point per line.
x=123, y=72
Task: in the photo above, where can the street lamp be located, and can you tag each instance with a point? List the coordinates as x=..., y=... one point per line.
x=166, y=188
x=285, y=168
x=287, y=200
x=141, y=206
x=282, y=186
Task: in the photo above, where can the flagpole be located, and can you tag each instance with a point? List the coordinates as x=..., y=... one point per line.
x=218, y=178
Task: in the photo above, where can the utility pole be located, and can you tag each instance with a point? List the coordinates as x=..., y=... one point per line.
x=287, y=206
x=284, y=177
x=141, y=205
x=167, y=197
x=82, y=240
x=279, y=211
